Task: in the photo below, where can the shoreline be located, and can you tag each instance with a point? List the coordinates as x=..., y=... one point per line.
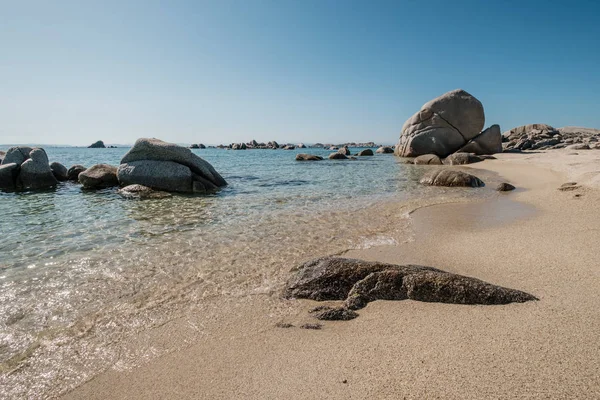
x=243, y=354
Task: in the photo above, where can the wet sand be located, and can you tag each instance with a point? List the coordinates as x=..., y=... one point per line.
x=537, y=239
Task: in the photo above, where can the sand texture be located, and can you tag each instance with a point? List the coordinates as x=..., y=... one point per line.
x=537, y=239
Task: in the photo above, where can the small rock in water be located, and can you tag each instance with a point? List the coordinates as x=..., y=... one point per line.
x=337, y=156
x=505, y=187
x=74, y=171
x=308, y=157
x=142, y=192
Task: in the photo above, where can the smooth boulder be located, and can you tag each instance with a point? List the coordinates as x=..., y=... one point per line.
x=35, y=172
x=161, y=175
x=97, y=145
x=427, y=159
x=365, y=152
x=385, y=150
x=99, y=176
x=8, y=175
x=461, y=159
x=487, y=142
x=451, y=178
x=442, y=126
x=337, y=156
x=146, y=149
x=308, y=157
x=74, y=171
x=17, y=155
x=59, y=171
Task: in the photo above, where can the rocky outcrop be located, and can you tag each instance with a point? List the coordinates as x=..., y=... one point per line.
x=97, y=145
x=427, y=159
x=344, y=150
x=461, y=159
x=442, y=126
x=167, y=166
x=451, y=178
x=545, y=137
x=365, y=152
x=59, y=171
x=99, y=176
x=359, y=282
x=337, y=156
x=385, y=150
x=141, y=192
x=26, y=168
x=308, y=157
x=487, y=142
x=17, y=155
x=74, y=171
x=8, y=176
x=239, y=146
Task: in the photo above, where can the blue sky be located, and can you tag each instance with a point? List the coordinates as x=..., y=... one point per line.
x=73, y=72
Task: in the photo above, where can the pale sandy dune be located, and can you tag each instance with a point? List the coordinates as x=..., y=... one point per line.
x=547, y=244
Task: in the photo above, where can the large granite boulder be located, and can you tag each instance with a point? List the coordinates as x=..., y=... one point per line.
x=97, y=145
x=308, y=157
x=8, y=175
x=385, y=150
x=35, y=172
x=156, y=150
x=442, y=126
x=74, y=171
x=160, y=175
x=451, y=178
x=461, y=159
x=359, y=282
x=487, y=142
x=99, y=176
x=59, y=171
x=17, y=155
x=427, y=159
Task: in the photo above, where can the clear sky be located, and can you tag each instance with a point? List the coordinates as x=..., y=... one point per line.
x=72, y=72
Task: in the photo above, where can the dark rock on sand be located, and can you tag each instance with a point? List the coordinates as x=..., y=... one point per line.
x=307, y=157
x=505, y=187
x=462, y=159
x=99, y=176
x=450, y=177
x=141, y=192
x=365, y=152
x=35, y=172
x=97, y=145
x=337, y=156
x=327, y=313
x=569, y=186
x=359, y=282
x=59, y=171
x=442, y=126
x=427, y=159
x=8, y=175
x=74, y=171
x=385, y=150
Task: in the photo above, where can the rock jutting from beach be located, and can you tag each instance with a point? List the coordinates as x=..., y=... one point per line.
x=545, y=137
x=446, y=124
x=26, y=168
x=451, y=178
x=167, y=166
x=359, y=282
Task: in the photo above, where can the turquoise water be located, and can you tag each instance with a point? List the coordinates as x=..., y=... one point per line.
x=81, y=270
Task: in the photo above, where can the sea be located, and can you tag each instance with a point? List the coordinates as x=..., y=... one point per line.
x=81, y=271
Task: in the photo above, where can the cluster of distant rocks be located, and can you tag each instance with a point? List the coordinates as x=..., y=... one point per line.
x=151, y=168
x=273, y=145
x=545, y=137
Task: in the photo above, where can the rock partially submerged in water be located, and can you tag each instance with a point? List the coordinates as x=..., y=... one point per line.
x=337, y=156
x=26, y=168
x=74, y=171
x=142, y=192
x=167, y=166
x=8, y=176
x=359, y=282
x=99, y=176
x=385, y=150
x=97, y=145
x=427, y=159
x=365, y=152
x=59, y=171
x=462, y=159
x=308, y=157
x=451, y=178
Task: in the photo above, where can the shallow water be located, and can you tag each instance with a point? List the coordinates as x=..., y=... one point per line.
x=81, y=270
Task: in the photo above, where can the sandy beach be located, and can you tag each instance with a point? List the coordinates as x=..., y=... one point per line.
x=537, y=239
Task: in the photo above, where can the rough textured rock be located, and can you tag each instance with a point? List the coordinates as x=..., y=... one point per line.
x=35, y=172
x=461, y=159
x=365, y=152
x=326, y=313
x=545, y=137
x=450, y=177
x=97, y=145
x=160, y=175
x=2, y=154
x=337, y=156
x=99, y=176
x=359, y=282
x=344, y=150
x=427, y=159
x=16, y=155
x=487, y=142
x=505, y=187
x=442, y=126
x=8, y=175
x=307, y=157
x=578, y=146
x=385, y=150
x=301, y=146
x=157, y=150
x=141, y=192
x=59, y=171
x=74, y=171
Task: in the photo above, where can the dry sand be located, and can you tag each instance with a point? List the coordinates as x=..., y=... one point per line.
x=537, y=239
